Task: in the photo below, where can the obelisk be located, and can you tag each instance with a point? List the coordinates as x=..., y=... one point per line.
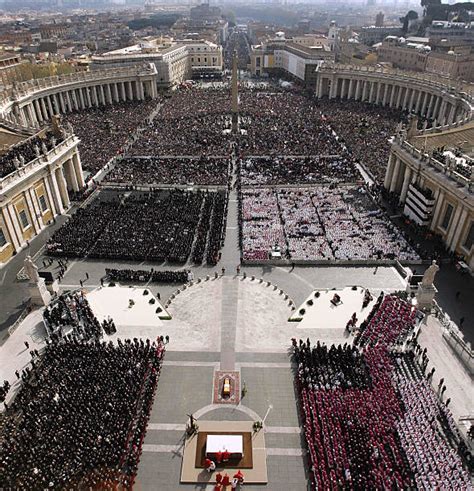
x=235, y=95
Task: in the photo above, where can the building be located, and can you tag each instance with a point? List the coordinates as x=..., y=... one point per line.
x=174, y=61
x=436, y=189
x=282, y=56
x=379, y=19
x=403, y=54
x=37, y=191
x=371, y=35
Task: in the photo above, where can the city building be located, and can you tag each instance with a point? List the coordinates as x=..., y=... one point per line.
x=37, y=191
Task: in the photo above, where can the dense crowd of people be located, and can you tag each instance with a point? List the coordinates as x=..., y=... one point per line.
x=71, y=314
x=140, y=226
x=269, y=171
x=384, y=430
x=79, y=419
x=171, y=171
x=26, y=151
x=193, y=122
x=105, y=131
x=319, y=223
x=364, y=130
x=143, y=276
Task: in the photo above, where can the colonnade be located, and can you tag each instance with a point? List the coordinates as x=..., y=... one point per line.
x=56, y=175
x=42, y=107
x=406, y=166
x=427, y=100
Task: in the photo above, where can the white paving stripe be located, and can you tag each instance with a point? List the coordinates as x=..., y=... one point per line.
x=166, y=427
x=162, y=448
x=283, y=429
x=173, y=363
x=257, y=364
x=287, y=452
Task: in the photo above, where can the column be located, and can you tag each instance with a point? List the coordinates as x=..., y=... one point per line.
x=396, y=171
x=54, y=186
x=102, y=95
x=49, y=193
x=389, y=171
x=451, y=113
x=439, y=199
x=50, y=106
x=109, y=94
x=440, y=116
x=371, y=92
x=88, y=97
x=399, y=97
x=385, y=95
x=379, y=91
x=393, y=89
x=458, y=228
x=128, y=86
x=74, y=100
x=62, y=187
x=418, y=101
x=351, y=86
x=81, y=98
x=31, y=114
x=453, y=226
x=116, y=93
x=95, y=97
x=69, y=101
x=11, y=229
x=122, y=90
x=16, y=229
x=76, y=159
x=34, y=214
x=44, y=111
x=62, y=102
x=406, y=182
x=70, y=175
x=412, y=99
x=39, y=116
x=142, y=90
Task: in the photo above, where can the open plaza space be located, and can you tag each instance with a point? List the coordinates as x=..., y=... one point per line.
x=228, y=299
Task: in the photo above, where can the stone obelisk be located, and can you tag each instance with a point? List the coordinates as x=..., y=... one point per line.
x=235, y=95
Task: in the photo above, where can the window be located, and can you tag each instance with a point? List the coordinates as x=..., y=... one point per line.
x=43, y=204
x=467, y=243
x=24, y=219
x=3, y=239
x=447, y=217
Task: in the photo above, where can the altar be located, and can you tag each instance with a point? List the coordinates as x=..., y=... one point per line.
x=220, y=443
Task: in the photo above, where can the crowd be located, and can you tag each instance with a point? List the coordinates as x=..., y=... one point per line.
x=79, y=418
x=142, y=276
x=140, y=226
x=278, y=170
x=364, y=130
x=105, y=131
x=70, y=314
x=385, y=430
x=170, y=170
x=26, y=151
x=321, y=223
x=192, y=122
x=283, y=123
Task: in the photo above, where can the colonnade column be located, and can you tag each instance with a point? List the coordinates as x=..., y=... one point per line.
x=396, y=171
x=406, y=183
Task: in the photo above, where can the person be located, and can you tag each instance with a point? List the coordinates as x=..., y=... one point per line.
x=225, y=480
x=218, y=478
x=219, y=457
x=225, y=456
x=239, y=476
x=209, y=464
x=27, y=344
x=234, y=483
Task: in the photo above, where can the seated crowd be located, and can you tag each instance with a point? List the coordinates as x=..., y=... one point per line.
x=263, y=171
x=67, y=429
x=318, y=224
x=170, y=170
x=192, y=122
x=26, y=151
x=142, y=276
x=384, y=430
x=141, y=226
x=105, y=131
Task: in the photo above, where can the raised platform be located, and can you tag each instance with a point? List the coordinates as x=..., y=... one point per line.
x=254, y=465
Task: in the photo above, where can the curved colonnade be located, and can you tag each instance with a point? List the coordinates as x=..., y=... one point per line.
x=33, y=103
x=435, y=98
